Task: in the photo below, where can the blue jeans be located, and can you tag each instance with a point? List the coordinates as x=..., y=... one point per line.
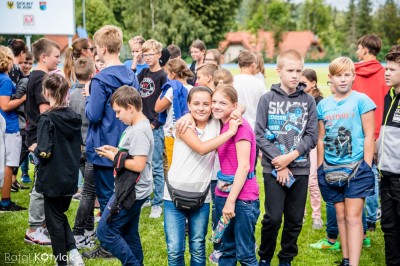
x=104, y=180
x=158, y=166
x=121, y=236
x=174, y=226
x=332, y=230
x=25, y=166
x=214, y=217
x=372, y=202
x=238, y=241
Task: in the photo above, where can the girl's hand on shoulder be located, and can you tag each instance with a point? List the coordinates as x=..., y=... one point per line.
x=236, y=114
x=183, y=123
x=234, y=125
x=229, y=210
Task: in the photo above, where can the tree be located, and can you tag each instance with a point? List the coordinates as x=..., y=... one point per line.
x=364, y=18
x=351, y=16
x=388, y=22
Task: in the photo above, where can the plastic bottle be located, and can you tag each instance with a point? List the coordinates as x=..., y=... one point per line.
x=219, y=230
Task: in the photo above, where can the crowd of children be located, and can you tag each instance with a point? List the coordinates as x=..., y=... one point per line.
x=189, y=138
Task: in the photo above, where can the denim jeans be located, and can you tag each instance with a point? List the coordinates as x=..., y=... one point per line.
x=372, y=202
x=238, y=241
x=121, y=236
x=25, y=165
x=158, y=166
x=332, y=230
x=104, y=179
x=174, y=227
x=84, y=216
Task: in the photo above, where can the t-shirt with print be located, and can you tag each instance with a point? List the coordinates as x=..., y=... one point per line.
x=189, y=170
x=34, y=98
x=344, y=136
x=169, y=122
x=150, y=90
x=229, y=163
x=138, y=141
x=7, y=88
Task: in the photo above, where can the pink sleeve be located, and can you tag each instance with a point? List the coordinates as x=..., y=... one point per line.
x=243, y=133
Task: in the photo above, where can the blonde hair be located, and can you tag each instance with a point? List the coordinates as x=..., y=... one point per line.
x=222, y=76
x=179, y=67
x=228, y=91
x=260, y=63
x=136, y=40
x=109, y=37
x=341, y=65
x=288, y=54
x=152, y=44
x=207, y=69
x=6, y=59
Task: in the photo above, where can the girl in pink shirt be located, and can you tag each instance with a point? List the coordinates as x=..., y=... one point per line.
x=237, y=190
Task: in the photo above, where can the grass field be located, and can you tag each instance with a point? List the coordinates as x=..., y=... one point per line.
x=13, y=226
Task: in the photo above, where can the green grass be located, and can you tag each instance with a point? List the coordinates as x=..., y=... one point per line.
x=13, y=226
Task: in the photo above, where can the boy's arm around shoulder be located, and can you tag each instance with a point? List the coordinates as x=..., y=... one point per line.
x=267, y=148
x=96, y=102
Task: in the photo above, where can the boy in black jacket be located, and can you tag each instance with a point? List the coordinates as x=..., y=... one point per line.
x=286, y=131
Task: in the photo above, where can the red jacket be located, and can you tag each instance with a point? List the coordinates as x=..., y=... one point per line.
x=370, y=79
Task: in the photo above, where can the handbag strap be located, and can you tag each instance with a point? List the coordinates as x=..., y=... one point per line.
x=171, y=189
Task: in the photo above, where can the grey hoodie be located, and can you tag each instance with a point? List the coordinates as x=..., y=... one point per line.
x=285, y=123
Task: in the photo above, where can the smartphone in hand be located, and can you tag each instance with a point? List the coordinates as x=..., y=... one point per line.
x=98, y=149
x=287, y=184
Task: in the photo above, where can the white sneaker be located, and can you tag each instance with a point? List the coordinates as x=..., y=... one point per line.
x=37, y=237
x=76, y=260
x=83, y=242
x=147, y=203
x=91, y=234
x=156, y=212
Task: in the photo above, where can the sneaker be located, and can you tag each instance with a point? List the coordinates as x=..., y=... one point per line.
x=12, y=207
x=20, y=186
x=264, y=263
x=97, y=253
x=147, y=203
x=366, y=242
x=156, y=212
x=317, y=223
x=83, y=242
x=14, y=187
x=91, y=234
x=371, y=227
x=378, y=214
x=76, y=260
x=77, y=196
x=325, y=245
x=37, y=237
x=25, y=178
x=214, y=257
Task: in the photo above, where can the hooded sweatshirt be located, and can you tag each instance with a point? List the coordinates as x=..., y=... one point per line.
x=58, y=148
x=285, y=123
x=104, y=128
x=370, y=79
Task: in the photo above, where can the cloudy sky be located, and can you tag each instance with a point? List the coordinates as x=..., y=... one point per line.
x=343, y=4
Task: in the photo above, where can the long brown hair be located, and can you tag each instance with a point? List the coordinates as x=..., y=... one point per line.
x=311, y=75
x=73, y=53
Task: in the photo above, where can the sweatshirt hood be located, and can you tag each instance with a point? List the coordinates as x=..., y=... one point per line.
x=368, y=68
x=299, y=89
x=66, y=121
x=117, y=76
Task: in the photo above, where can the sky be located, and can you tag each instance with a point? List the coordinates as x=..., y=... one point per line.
x=343, y=4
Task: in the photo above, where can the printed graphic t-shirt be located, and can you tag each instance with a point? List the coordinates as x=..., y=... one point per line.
x=150, y=90
x=344, y=136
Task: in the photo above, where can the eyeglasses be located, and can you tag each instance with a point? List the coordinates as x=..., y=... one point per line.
x=148, y=55
x=210, y=60
x=90, y=48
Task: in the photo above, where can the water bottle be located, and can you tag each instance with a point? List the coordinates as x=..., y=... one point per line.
x=219, y=230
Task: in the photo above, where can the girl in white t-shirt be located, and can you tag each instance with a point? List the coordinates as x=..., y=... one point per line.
x=177, y=71
x=191, y=171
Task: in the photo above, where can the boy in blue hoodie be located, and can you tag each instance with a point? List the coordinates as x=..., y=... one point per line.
x=286, y=130
x=104, y=127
